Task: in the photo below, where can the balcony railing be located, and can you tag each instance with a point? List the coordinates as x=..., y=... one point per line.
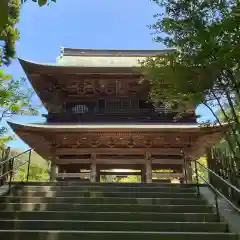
x=120, y=117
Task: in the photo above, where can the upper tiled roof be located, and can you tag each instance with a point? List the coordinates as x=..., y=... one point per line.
x=105, y=58
x=111, y=52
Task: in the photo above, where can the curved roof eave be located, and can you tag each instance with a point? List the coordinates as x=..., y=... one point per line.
x=114, y=127
x=34, y=67
x=23, y=62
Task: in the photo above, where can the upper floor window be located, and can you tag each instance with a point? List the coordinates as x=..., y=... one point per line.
x=117, y=103
x=79, y=108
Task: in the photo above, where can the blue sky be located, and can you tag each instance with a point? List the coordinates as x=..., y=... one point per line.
x=103, y=24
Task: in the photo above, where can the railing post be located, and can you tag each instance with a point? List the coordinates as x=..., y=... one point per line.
x=197, y=178
x=29, y=163
x=185, y=167
x=10, y=166
x=217, y=207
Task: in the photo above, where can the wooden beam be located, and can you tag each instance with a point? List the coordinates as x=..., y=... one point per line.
x=120, y=173
x=87, y=175
x=120, y=151
x=73, y=161
x=121, y=161
x=168, y=161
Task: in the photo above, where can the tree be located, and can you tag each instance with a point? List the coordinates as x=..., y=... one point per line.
x=203, y=68
x=6, y=8
x=36, y=173
x=223, y=146
x=40, y=2
x=15, y=95
x=9, y=34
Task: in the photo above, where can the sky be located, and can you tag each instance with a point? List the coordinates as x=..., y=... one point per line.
x=95, y=24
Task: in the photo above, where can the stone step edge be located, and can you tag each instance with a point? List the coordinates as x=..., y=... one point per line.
x=88, y=221
x=106, y=204
x=60, y=191
x=117, y=198
x=103, y=183
x=109, y=186
x=116, y=232
x=78, y=212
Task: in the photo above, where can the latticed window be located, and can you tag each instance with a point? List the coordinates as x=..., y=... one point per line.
x=80, y=108
x=117, y=104
x=134, y=103
x=126, y=103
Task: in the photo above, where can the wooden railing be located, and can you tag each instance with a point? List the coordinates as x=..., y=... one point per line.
x=119, y=116
x=9, y=166
x=196, y=166
x=227, y=167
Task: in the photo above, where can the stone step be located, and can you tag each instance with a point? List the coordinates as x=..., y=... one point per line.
x=110, y=216
x=77, y=183
x=112, y=226
x=107, y=188
x=106, y=207
x=102, y=200
x=104, y=194
x=109, y=235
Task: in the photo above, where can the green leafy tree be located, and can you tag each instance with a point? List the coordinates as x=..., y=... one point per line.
x=15, y=95
x=6, y=8
x=130, y=179
x=223, y=146
x=40, y=2
x=9, y=34
x=203, y=68
x=36, y=173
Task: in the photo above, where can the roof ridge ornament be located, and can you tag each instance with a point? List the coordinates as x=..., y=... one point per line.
x=61, y=52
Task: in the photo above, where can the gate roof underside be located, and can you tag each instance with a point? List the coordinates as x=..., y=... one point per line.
x=80, y=139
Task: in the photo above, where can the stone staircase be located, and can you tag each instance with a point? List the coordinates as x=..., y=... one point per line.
x=73, y=210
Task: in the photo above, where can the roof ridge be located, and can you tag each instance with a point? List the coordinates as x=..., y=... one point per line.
x=113, y=52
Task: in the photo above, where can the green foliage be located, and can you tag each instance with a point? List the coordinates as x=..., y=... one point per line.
x=41, y=2
x=117, y=179
x=15, y=95
x=234, y=139
x=9, y=33
x=202, y=173
x=15, y=98
x=131, y=179
x=11, y=8
x=36, y=173
x=204, y=66
x=3, y=13
x=38, y=170
x=205, y=36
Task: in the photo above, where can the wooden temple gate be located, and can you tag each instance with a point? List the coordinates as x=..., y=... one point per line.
x=100, y=118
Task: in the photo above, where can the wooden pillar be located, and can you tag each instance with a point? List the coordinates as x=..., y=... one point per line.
x=93, y=169
x=148, y=167
x=53, y=172
x=98, y=178
x=143, y=175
